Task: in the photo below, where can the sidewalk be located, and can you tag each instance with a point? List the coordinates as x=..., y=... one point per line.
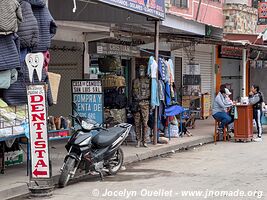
x=14, y=182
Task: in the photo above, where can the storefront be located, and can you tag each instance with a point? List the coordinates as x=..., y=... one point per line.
x=114, y=65
x=194, y=84
x=231, y=74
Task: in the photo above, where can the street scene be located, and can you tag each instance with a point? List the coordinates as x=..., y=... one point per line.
x=133, y=99
x=223, y=171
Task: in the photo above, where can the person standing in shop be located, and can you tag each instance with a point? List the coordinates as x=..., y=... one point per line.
x=256, y=99
x=140, y=105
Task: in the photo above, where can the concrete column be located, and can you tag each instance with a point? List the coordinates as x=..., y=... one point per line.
x=244, y=70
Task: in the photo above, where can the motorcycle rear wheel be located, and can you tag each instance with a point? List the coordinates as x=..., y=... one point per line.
x=65, y=174
x=115, y=163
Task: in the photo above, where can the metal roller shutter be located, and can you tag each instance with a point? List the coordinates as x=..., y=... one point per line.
x=205, y=61
x=66, y=60
x=204, y=58
x=178, y=63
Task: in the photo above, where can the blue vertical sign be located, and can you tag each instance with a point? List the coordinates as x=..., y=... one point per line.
x=88, y=96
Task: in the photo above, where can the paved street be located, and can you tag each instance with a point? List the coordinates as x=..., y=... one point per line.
x=209, y=172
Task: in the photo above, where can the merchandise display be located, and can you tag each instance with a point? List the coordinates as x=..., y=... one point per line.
x=26, y=27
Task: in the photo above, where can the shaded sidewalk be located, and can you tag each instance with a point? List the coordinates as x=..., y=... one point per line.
x=14, y=182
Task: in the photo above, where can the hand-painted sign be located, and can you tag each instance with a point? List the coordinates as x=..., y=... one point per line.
x=38, y=131
x=153, y=8
x=88, y=96
x=35, y=62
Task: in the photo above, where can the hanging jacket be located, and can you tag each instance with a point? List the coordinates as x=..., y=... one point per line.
x=46, y=24
x=37, y=3
x=9, y=52
x=16, y=94
x=10, y=15
x=162, y=70
x=28, y=31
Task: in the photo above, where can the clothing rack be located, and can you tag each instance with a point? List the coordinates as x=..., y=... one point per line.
x=152, y=53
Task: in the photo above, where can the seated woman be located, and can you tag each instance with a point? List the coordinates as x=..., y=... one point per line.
x=220, y=107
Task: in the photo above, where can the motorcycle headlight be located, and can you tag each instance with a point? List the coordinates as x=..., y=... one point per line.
x=86, y=125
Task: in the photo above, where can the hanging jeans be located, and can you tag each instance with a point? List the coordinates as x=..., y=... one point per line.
x=224, y=118
x=257, y=114
x=154, y=93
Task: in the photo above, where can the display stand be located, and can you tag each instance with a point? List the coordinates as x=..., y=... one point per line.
x=243, y=125
x=52, y=136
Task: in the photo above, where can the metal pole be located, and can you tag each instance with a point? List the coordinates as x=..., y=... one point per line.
x=244, y=62
x=155, y=129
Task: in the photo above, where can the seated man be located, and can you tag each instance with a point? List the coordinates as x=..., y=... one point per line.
x=220, y=107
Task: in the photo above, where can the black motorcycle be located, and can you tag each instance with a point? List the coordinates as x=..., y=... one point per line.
x=93, y=148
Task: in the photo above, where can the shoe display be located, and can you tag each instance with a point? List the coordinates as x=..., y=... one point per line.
x=57, y=121
x=258, y=139
x=51, y=122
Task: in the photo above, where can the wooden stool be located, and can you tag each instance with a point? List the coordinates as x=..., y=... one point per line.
x=225, y=134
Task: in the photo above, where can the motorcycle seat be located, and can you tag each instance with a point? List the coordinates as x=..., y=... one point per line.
x=106, y=137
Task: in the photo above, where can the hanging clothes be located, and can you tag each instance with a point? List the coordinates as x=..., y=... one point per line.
x=162, y=70
x=171, y=70
x=28, y=31
x=10, y=15
x=9, y=52
x=152, y=72
x=161, y=90
x=16, y=94
x=46, y=24
x=168, y=94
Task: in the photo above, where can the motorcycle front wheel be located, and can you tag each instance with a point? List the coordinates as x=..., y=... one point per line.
x=65, y=174
x=115, y=162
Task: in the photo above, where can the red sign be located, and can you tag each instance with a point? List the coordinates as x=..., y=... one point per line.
x=231, y=52
x=262, y=10
x=38, y=131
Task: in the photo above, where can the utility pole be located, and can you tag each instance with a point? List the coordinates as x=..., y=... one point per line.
x=155, y=129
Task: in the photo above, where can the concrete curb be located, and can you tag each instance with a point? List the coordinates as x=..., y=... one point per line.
x=167, y=149
x=21, y=190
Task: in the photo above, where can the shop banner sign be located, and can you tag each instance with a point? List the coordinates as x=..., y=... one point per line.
x=88, y=96
x=153, y=8
x=230, y=52
x=113, y=49
x=262, y=13
x=38, y=131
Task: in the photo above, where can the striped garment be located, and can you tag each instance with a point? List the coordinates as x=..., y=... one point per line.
x=10, y=15
x=28, y=31
x=46, y=24
x=37, y=3
x=16, y=94
x=9, y=52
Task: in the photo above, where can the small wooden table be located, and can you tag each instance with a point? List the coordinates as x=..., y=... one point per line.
x=243, y=126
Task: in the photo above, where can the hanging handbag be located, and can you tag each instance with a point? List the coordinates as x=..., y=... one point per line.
x=8, y=77
x=5, y=79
